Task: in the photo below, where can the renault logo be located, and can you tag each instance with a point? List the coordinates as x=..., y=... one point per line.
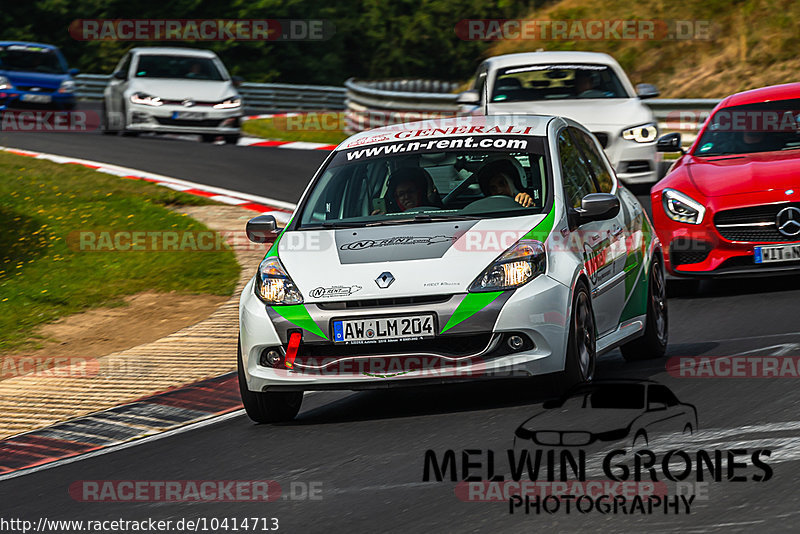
x=788, y=221
x=384, y=280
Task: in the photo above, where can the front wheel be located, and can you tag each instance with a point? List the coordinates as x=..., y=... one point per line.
x=231, y=139
x=266, y=407
x=653, y=343
x=581, y=345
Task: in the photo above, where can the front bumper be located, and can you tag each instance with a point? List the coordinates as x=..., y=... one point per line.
x=476, y=349
x=635, y=163
x=702, y=251
x=17, y=99
x=164, y=119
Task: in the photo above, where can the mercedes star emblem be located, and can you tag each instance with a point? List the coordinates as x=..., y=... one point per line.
x=384, y=280
x=788, y=221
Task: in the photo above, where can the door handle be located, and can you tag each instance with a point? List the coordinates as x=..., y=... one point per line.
x=616, y=230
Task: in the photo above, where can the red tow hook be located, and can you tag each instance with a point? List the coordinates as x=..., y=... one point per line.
x=291, y=350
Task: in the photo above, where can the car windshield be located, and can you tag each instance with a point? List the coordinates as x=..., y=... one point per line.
x=616, y=396
x=419, y=180
x=760, y=127
x=31, y=59
x=556, y=82
x=181, y=67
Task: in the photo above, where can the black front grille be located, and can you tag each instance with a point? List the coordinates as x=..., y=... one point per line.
x=687, y=251
x=444, y=345
x=207, y=123
x=35, y=89
x=602, y=137
x=753, y=224
x=374, y=303
x=639, y=165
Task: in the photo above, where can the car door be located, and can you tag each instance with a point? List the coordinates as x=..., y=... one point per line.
x=592, y=237
x=616, y=230
x=117, y=86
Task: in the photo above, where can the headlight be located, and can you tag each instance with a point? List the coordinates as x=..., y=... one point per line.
x=273, y=285
x=67, y=86
x=5, y=84
x=230, y=103
x=145, y=99
x=516, y=267
x=682, y=208
x=645, y=133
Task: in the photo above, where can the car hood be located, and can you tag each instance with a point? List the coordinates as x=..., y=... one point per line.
x=735, y=175
x=577, y=419
x=38, y=79
x=168, y=89
x=597, y=114
x=424, y=259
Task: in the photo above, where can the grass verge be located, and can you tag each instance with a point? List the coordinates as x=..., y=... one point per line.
x=313, y=127
x=44, y=275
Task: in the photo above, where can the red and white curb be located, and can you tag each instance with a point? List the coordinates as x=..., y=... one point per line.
x=281, y=210
x=134, y=423
x=298, y=145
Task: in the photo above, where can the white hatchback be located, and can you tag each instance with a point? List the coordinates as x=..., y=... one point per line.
x=587, y=87
x=172, y=90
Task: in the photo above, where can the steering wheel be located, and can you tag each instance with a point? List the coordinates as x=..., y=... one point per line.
x=460, y=188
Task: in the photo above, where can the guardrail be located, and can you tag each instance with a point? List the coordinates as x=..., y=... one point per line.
x=262, y=97
x=377, y=103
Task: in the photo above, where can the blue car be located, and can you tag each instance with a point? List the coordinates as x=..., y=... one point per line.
x=35, y=75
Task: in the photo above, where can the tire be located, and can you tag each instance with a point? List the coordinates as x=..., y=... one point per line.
x=653, y=343
x=582, y=342
x=231, y=139
x=209, y=138
x=264, y=407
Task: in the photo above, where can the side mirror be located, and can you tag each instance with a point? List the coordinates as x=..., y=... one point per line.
x=73, y=72
x=670, y=142
x=237, y=80
x=469, y=97
x=598, y=207
x=646, y=90
x=120, y=75
x=261, y=229
x=656, y=406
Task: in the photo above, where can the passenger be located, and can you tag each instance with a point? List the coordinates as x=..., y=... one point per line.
x=495, y=178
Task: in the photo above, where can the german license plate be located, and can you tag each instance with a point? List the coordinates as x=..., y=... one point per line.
x=37, y=99
x=189, y=115
x=384, y=329
x=779, y=253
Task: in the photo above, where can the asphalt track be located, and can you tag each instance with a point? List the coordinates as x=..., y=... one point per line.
x=366, y=450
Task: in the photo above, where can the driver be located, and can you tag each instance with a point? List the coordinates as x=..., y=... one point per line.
x=495, y=178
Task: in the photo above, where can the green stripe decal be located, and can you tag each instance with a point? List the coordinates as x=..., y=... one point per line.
x=472, y=304
x=298, y=315
x=543, y=229
x=273, y=250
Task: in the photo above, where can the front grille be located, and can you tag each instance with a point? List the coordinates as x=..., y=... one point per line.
x=35, y=88
x=602, y=137
x=687, y=251
x=639, y=165
x=387, y=302
x=444, y=345
x=207, y=123
x=753, y=224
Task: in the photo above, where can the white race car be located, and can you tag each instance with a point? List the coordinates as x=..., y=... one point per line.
x=476, y=247
x=172, y=90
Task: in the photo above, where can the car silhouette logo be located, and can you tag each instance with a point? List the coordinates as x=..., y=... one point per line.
x=788, y=221
x=384, y=280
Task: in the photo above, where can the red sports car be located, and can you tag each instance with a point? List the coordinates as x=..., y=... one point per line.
x=731, y=204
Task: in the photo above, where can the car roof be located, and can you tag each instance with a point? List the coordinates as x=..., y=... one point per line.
x=454, y=126
x=173, y=50
x=28, y=43
x=763, y=94
x=535, y=58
